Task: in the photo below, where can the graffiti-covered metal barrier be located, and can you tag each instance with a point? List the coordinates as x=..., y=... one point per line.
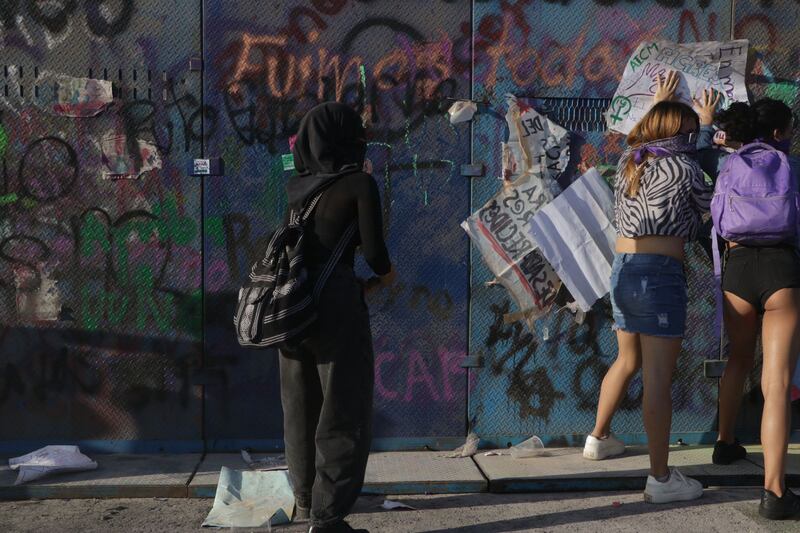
x=120, y=256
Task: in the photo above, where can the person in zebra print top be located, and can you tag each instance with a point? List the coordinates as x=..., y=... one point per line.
x=660, y=195
x=671, y=198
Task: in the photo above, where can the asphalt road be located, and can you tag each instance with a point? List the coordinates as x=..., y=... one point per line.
x=726, y=510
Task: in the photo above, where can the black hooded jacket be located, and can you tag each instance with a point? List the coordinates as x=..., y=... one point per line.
x=328, y=155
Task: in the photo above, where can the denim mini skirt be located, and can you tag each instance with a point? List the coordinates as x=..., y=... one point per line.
x=648, y=294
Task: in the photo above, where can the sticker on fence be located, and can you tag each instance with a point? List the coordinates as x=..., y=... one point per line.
x=576, y=235
x=119, y=163
x=720, y=65
x=81, y=97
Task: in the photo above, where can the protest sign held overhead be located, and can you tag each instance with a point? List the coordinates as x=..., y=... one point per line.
x=715, y=64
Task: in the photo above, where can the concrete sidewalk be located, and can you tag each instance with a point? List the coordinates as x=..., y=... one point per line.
x=563, y=469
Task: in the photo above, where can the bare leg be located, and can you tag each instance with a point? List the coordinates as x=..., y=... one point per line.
x=659, y=355
x=741, y=324
x=616, y=380
x=780, y=339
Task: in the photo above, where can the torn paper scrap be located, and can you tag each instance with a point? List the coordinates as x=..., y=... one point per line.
x=468, y=449
x=391, y=505
x=462, y=111
x=119, y=163
x=251, y=499
x=37, y=299
x=536, y=145
x=81, y=97
x=719, y=65
x=576, y=235
x=50, y=460
x=277, y=462
x=500, y=232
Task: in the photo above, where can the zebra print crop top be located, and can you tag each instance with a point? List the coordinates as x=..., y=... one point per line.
x=671, y=199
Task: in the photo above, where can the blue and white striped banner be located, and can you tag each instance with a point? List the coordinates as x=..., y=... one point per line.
x=575, y=233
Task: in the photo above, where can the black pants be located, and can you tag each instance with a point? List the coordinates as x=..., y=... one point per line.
x=326, y=392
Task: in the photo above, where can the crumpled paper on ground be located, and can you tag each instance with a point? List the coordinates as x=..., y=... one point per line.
x=50, y=460
x=468, y=449
x=265, y=464
x=390, y=505
x=251, y=499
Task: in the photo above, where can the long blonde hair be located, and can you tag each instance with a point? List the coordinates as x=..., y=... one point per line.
x=663, y=121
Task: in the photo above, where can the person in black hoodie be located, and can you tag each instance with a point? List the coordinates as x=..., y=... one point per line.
x=327, y=379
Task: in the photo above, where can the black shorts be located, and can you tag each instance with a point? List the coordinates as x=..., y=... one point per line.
x=756, y=273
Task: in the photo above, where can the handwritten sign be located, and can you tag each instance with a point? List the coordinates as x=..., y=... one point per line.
x=534, y=156
x=719, y=65
x=500, y=230
x=536, y=145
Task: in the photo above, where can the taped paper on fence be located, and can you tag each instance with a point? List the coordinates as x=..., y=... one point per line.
x=576, y=235
x=81, y=97
x=536, y=145
x=37, y=299
x=119, y=163
x=500, y=232
x=719, y=65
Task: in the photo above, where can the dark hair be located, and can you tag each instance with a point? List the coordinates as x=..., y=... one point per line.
x=745, y=123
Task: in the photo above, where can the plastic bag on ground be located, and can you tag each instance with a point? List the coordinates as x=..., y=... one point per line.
x=49, y=460
x=468, y=449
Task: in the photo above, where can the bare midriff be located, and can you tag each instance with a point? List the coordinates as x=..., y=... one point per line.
x=652, y=244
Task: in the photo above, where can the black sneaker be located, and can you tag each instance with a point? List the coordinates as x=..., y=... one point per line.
x=339, y=527
x=775, y=508
x=725, y=454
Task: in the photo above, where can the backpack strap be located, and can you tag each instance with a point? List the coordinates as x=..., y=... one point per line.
x=719, y=323
x=333, y=260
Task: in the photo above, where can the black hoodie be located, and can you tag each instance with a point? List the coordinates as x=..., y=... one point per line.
x=328, y=155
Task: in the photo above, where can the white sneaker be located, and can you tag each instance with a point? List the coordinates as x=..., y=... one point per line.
x=677, y=488
x=597, y=449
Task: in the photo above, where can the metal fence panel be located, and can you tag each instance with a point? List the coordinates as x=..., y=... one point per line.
x=397, y=62
x=100, y=278
x=547, y=383
x=103, y=281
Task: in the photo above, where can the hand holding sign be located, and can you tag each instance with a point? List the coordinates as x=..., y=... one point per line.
x=667, y=85
x=706, y=106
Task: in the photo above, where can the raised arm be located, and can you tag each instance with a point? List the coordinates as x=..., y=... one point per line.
x=370, y=227
x=707, y=155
